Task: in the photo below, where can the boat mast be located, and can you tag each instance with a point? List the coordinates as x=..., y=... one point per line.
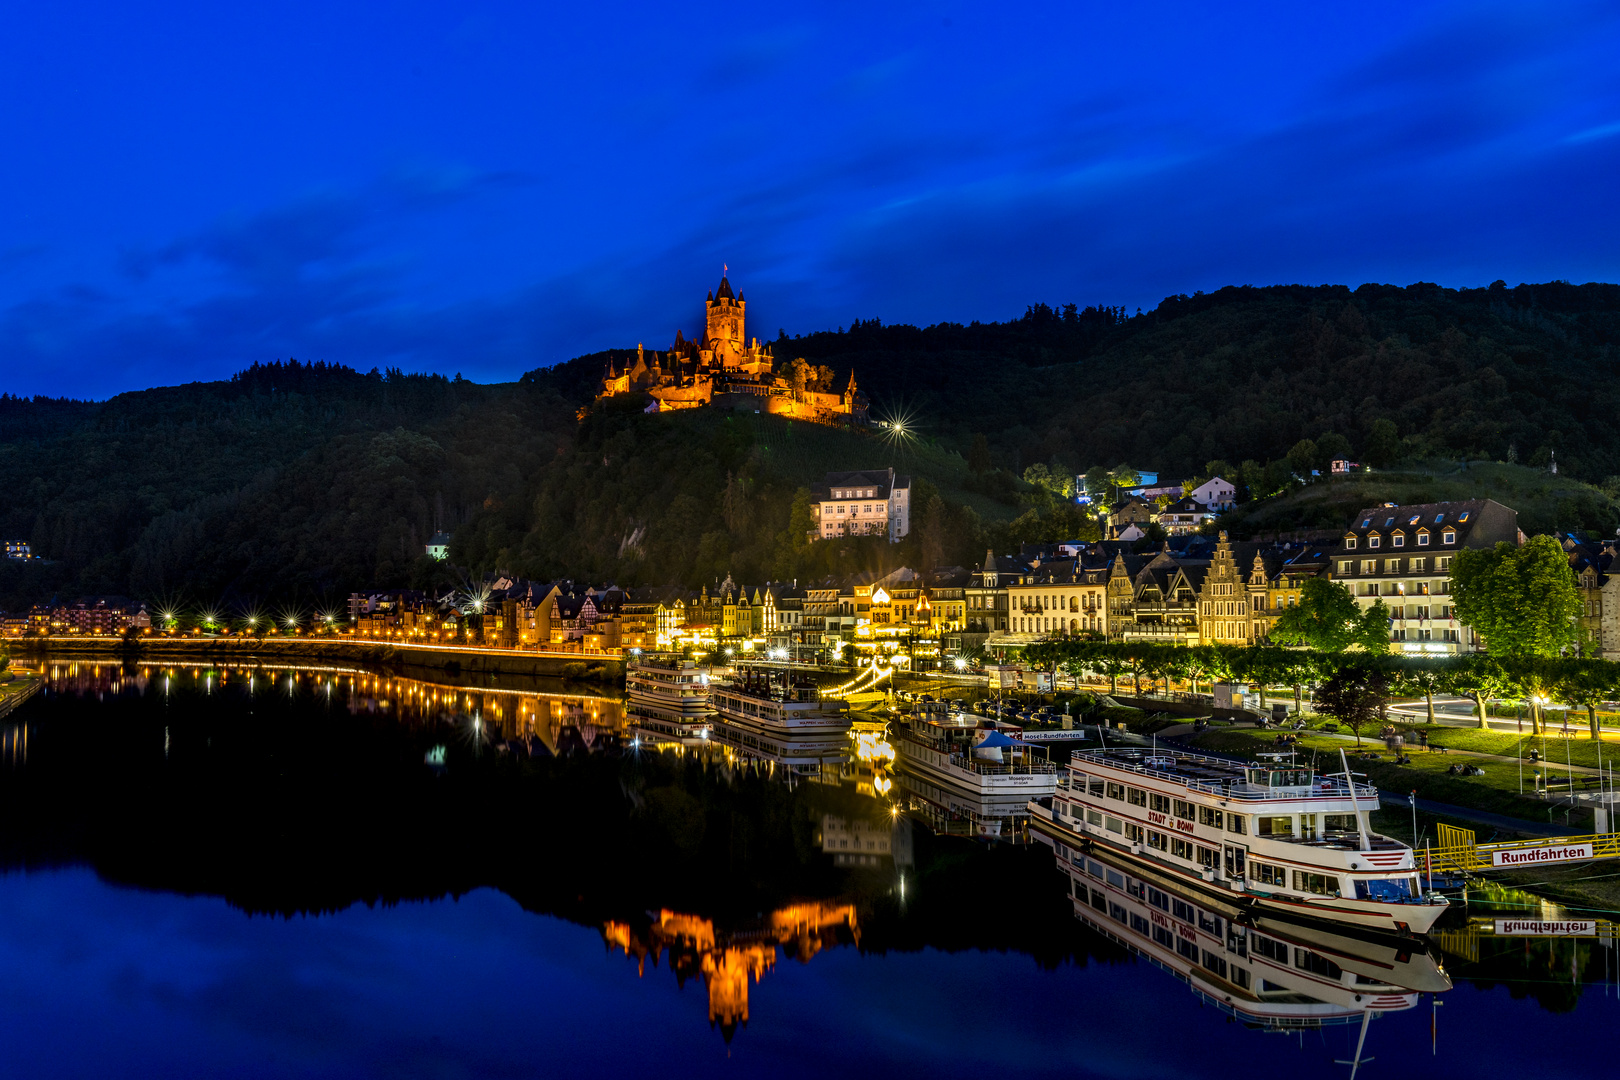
x=1350, y=781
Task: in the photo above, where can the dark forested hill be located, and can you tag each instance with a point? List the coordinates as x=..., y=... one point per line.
x=309, y=480
x=291, y=481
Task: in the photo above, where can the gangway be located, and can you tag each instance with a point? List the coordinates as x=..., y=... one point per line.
x=1458, y=853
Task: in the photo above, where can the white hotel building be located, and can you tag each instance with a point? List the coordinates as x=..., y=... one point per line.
x=872, y=503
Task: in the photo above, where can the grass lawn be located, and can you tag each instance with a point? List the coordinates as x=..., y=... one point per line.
x=1512, y=745
x=1497, y=791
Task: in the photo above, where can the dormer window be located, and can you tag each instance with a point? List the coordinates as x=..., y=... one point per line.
x=1448, y=537
x=1350, y=543
x=1372, y=541
x=1423, y=538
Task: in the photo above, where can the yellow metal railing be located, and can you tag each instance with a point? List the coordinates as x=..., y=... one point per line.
x=1549, y=852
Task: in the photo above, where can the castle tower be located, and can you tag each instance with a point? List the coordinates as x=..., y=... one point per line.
x=724, y=329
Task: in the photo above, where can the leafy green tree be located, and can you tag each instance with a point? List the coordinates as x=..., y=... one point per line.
x=1383, y=443
x=1482, y=678
x=1124, y=477
x=1330, y=447
x=1521, y=600
x=1587, y=684
x=1328, y=619
x=1302, y=458
x=1426, y=675
x=1354, y=695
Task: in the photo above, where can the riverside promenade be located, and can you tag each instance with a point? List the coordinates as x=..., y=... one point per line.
x=455, y=659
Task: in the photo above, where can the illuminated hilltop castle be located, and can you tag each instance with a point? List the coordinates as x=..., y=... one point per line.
x=726, y=369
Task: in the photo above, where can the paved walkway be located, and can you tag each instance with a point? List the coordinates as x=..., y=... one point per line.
x=1481, y=817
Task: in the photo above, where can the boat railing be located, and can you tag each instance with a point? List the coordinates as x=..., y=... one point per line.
x=1234, y=787
x=1001, y=768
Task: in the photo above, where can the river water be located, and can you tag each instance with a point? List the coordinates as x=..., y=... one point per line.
x=259, y=871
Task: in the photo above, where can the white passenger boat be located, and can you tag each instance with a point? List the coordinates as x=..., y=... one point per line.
x=1276, y=975
x=1291, y=842
x=778, y=702
x=971, y=755
x=668, y=700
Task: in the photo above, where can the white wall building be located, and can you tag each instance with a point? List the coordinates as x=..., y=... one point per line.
x=871, y=503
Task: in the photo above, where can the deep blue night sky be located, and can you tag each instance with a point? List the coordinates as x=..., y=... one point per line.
x=487, y=188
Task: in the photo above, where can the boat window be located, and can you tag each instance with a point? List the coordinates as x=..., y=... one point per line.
x=1240, y=976
x=1209, y=858
x=1113, y=824
x=1157, y=899
x=1181, y=849
x=1139, y=924
x=1237, y=823
x=1158, y=802
x=1134, y=833
x=1210, y=924
x=1158, y=840
x=1099, y=899
x=1094, y=787
x=1163, y=936
x=1094, y=868
x=1186, y=948
x=1234, y=862
x=1266, y=874
x=1116, y=879
x=1320, y=884
x=1185, y=912
x=1317, y=964
x=1385, y=889
x=1339, y=822
x=1136, y=796
x=1268, y=825
x=1134, y=887
x=1214, y=963
x=1208, y=815
x=1184, y=809
x=1271, y=950
x=1116, y=791
x=1093, y=817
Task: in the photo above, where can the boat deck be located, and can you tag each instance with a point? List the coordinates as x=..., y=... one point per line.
x=1222, y=777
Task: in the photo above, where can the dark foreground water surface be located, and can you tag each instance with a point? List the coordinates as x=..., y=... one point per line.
x=259, y=873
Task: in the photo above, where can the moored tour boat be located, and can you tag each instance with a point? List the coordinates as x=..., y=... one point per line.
x=668, y=700
x=1273, y=974
x=1287, y=841
x=970, y=769
x=778, y=702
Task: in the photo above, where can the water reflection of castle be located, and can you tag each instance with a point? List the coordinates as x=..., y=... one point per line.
x=727, y=960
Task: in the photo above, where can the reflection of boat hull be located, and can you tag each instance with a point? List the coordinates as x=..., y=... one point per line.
x=649, y=725
x=1394, y=919
x=949, y=809
x=823, y=756
x=1269, y=972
